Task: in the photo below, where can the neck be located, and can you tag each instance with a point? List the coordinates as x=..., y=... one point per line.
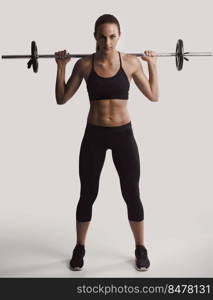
x=109, y=55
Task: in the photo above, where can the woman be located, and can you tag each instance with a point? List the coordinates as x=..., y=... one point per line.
x=108, y=73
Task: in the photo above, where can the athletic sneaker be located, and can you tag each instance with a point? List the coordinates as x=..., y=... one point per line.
x=142, y=262
x=77, y=262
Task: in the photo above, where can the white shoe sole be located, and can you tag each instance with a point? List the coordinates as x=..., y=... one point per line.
x=75, y=268
x=141, y=269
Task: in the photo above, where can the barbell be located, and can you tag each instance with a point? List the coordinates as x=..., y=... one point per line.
x=179, y=55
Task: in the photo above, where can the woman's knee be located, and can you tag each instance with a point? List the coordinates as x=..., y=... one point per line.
x=134, y=206
x=84, y=206
x=135, y=211
x=88, y=199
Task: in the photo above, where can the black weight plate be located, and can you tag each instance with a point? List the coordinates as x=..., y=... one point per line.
x=179, y=55
x=34, y=56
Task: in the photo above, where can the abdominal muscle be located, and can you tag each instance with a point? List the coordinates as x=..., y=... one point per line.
x=110, y=112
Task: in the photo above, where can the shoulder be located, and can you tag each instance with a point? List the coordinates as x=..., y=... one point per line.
x=85, y=60
x=84, y=63
x=131, y=61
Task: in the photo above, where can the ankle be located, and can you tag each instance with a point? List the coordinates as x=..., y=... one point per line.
x=138, y=247
x=80, y=244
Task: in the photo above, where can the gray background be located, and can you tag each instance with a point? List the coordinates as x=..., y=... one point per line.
x=40, y=143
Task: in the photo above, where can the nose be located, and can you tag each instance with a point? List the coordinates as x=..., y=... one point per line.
x=107, y=43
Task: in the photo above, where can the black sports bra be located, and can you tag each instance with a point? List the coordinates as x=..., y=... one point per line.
x=115, y=87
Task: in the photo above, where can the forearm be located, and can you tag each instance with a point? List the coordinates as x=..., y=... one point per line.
x=60, y=84
x=153, y=80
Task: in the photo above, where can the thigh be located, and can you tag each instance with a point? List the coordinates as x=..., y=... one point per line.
x=126, y=158
x=91, y=160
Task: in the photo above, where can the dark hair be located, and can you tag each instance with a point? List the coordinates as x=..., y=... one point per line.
x=106, y=18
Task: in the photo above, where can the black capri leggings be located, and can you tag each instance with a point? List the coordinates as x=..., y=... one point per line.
x=96, y=140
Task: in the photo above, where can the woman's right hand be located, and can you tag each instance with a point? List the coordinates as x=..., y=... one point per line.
x=61, y=59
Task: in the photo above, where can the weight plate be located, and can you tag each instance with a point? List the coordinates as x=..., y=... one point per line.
x=179, y=55
x=34, y=56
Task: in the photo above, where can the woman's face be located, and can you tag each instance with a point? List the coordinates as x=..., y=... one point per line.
x=107, y=36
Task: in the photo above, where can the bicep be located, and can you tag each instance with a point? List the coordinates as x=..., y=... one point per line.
x=74, y=81
x=140, y=79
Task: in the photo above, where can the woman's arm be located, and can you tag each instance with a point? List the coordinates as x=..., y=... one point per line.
x=149, y=87
x=153, y=80
x=60, y=84
x=65, y=91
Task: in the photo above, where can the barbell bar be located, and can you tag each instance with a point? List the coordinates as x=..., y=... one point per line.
x=179, y=55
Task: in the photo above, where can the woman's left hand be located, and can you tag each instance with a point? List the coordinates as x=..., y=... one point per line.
x=149, y=56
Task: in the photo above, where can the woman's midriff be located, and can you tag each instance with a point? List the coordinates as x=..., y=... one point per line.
x=112, y=112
